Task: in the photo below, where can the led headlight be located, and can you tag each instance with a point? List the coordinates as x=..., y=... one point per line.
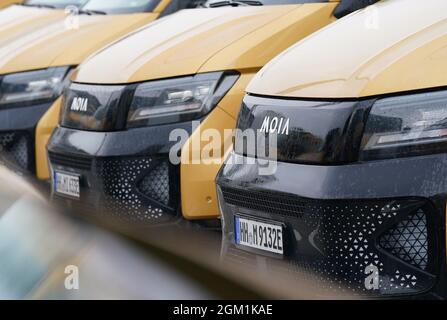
x=179, y=99
x=34, y=86
x=406, y=126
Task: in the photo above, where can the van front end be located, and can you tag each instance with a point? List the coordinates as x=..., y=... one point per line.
x=350, y=196
x=114, y=152
x=96, y=173
x=24, y=99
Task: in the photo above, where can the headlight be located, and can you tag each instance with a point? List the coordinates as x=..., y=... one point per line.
x=406, y=126
x=178, y=100
x=34, y=86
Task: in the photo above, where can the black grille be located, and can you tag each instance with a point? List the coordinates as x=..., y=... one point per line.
x=408, y=240
x=343, y=239
x=71, y=161
x=121, y=180
x=134, y=189
x=93, y=107
x=332, y=141
x=16, y=147
x=265, y=202
x=156, y=184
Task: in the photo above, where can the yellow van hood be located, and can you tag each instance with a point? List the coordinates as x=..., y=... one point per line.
x=369, y=53
x=202, y=40
x=20, y=20
x=53, y=44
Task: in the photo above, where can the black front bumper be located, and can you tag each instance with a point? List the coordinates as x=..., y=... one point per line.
x=17, y=135
x=125, y=175
x=339, y=221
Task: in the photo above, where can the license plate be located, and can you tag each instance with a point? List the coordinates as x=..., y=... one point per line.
x=259, y=235
x=66, y=184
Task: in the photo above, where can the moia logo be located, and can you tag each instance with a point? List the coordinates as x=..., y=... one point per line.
x=277, y=125
x=79, y=104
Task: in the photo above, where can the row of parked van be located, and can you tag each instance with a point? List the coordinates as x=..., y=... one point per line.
x=312, y=131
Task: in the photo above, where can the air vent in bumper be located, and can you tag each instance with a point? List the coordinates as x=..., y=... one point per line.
x=408, y=240
x=17, y=147
x=155, y=185
x=70, y=161
x=133, y=189
x=343, y=241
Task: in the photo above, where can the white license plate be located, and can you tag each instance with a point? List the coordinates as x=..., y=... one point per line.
x=66, y=184
x=259, y=235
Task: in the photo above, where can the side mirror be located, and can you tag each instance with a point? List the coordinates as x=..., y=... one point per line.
x=349, y=6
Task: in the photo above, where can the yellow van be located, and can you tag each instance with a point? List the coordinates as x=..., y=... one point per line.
x=41, y=42
x=356, y=190
x=137, y=108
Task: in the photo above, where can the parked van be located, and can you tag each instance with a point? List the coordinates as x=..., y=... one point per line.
x=356, y=192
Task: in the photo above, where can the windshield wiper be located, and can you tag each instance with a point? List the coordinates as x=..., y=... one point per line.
x=235, y=3
x=49, y=6
x=91, y=12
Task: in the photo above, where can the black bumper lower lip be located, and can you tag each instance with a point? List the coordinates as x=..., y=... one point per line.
x=17, y=135
x=341, y=220
x=126, y=174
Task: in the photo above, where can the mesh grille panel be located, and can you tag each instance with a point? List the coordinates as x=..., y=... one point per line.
x=264, y=202
x=15, y=146
x=71, y=161
x=156, y=184
x=120, y=178
x=409, y=240
x=19, y=150
x=338, y=239
x=6, y=139
x=136, y=189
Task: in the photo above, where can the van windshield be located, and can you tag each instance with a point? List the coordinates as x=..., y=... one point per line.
x=273, y=2
x=262, y=2
x=121, y=6
x=58, y=4
x=105, y=6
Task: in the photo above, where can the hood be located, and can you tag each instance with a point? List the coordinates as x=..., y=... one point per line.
x=202, y=40
x=394, y=46
x=16, y=21
x=57, y=43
